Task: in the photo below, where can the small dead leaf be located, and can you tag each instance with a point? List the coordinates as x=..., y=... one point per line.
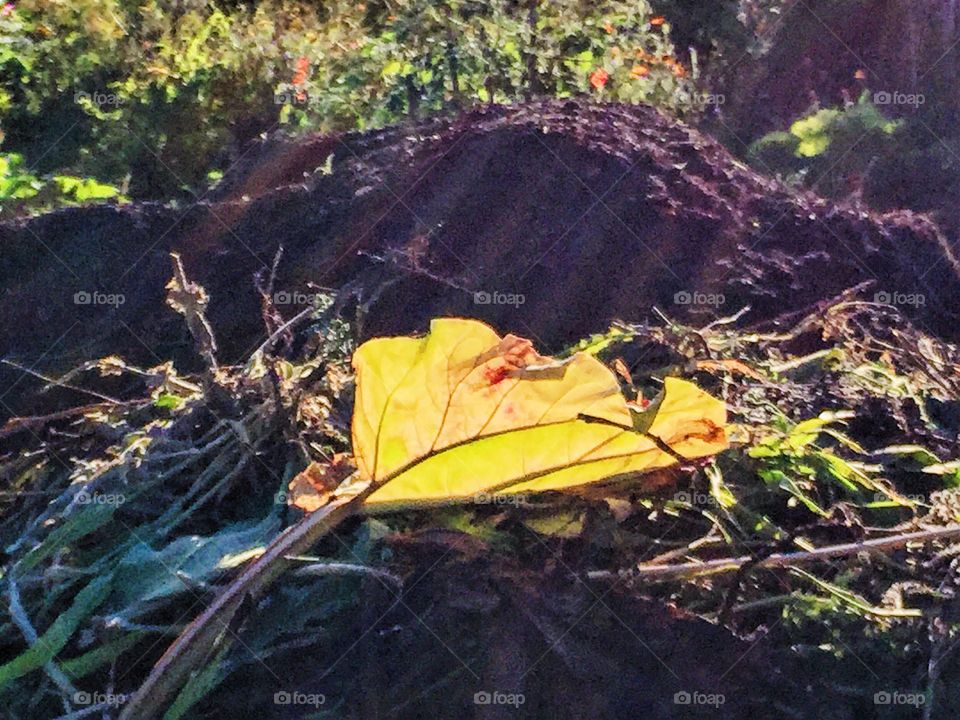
x=311, y=488
x=620, y=508
x=620, y=367
x=732, y=366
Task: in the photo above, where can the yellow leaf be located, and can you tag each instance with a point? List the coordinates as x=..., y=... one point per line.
x=461, y=412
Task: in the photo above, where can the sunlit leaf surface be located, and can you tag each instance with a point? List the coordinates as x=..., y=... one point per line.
x=461, y=411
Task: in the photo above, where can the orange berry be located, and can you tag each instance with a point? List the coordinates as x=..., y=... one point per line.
x=599, y=77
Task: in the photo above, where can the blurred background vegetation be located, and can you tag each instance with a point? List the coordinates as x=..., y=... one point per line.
x=111, y=100
x=152, y=99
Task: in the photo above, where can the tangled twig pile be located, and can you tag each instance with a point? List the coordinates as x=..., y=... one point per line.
x=123, y=518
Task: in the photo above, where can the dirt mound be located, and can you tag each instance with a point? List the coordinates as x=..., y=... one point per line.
x=547, y=220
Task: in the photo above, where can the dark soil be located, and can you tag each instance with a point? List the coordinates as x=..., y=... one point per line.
x=586, y=212
x=475, y=619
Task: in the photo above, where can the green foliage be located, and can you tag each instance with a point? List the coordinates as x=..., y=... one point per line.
x=145, y=575
x=56, y=637
x=843, y=141
x=813, y=132
x=82, y=190
x=795, y=460
x=20, y=189
x=818, y=131
x=153, y=97
x=16, y=182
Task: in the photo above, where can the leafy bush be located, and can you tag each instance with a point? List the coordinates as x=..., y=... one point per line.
x=153, y=96
x=830, y=148
x=20, y=188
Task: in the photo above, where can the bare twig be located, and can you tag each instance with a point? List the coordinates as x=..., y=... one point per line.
x=190, y=300
x=778, y=560
x=58, y=383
